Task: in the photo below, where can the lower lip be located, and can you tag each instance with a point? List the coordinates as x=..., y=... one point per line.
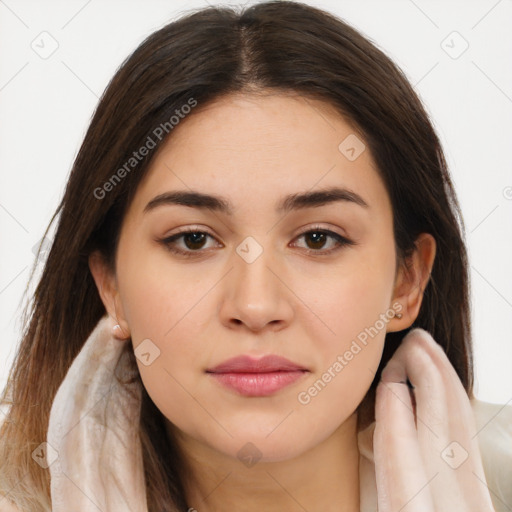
x=258, y=384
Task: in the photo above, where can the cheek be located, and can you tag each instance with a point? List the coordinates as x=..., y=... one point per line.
x=355, y=310
x=175, y=376
x=166, y=315
x=353, y=303
x=157, y=295
x=350, y=341
x=348, y=359
x=168, y=319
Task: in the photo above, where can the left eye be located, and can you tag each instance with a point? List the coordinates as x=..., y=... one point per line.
x=315, y=239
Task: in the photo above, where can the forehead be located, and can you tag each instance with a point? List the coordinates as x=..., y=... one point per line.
x=254, y=148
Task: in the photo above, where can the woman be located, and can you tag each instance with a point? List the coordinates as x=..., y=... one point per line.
x=257, y=295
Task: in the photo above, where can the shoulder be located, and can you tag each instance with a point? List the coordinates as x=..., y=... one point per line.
x=494, y=434
x=494, y=426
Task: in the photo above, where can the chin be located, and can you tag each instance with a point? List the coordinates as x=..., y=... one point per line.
x=251, y=450
x=254, y=444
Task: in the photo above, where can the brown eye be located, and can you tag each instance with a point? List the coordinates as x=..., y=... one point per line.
x=194, y=240
x=187, y=243
x=317, y=239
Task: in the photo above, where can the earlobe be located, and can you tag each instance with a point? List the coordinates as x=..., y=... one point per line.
x=412, y=279
x=117, y=332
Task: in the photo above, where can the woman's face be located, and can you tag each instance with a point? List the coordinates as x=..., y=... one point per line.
x=260, y=276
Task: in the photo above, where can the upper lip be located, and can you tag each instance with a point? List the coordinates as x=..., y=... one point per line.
x=248, y=364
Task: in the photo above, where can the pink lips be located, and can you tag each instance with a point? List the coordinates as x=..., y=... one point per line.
x=257, y=377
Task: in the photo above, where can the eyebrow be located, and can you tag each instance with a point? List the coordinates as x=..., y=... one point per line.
x=291, y=202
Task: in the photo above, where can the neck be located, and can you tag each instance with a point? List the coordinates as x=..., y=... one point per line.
x=325, y=478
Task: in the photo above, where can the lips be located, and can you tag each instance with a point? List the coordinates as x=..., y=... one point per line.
x=248, y=376
x=247, y=364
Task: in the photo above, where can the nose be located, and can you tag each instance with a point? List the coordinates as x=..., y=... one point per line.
x=255, y=295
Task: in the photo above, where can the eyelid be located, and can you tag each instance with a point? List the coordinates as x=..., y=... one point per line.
x=317, y=227
x=195, y=228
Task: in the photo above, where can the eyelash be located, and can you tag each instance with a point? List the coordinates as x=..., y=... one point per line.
x=341, y=242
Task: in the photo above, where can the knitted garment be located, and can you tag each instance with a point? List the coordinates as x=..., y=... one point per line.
x=95, y=457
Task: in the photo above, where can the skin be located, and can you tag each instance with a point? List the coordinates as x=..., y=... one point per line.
x=308, y=307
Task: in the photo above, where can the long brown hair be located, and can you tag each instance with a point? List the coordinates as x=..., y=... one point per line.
x=280, y=46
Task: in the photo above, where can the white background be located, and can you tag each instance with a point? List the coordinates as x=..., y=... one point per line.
x=46, y=105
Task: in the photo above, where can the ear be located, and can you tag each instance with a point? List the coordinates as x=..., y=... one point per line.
x=106, y=283
x=411, y=280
